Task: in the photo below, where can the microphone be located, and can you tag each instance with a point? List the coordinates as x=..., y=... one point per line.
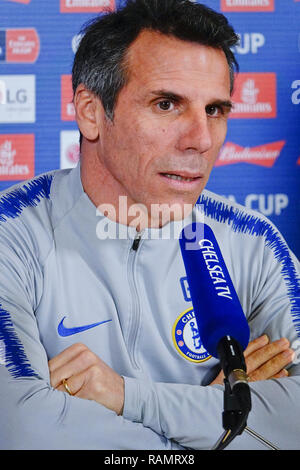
x=217, y=308
x=223, y=328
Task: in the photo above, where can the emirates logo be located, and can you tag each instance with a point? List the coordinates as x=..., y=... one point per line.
x=249, y=92
x=255, y=96
x=247, y=5
x=16, y=157
x=7, y=154
x=80, y=6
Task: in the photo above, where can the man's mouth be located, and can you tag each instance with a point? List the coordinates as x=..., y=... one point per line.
x=182, y=178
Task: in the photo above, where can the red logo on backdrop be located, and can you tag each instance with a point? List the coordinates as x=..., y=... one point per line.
x=22, y=45
x=67, y=107
x=247, y=5
x=16, y=156
x=263, y=155
x=20, y=1
x=85, y=6
x=254, y=96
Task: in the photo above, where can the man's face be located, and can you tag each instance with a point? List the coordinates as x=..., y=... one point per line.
x=169, y=123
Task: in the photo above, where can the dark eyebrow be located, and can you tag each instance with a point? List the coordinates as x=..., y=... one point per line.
x=169, y=95
x=222, y=103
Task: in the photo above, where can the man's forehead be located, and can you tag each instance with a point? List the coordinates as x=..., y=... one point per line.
x=154, y=48
x=155, y=56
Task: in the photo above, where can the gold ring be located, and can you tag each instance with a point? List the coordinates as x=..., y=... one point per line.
x=67, y=388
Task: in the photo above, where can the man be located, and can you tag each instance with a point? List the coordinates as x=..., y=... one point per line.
x=99, y=345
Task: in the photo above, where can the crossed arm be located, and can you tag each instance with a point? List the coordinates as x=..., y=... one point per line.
x=88, y=377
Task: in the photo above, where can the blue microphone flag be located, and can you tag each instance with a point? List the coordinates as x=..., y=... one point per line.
x=217, y=308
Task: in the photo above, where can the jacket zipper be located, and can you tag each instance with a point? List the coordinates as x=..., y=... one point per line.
x=135, y=314
x=136, y=242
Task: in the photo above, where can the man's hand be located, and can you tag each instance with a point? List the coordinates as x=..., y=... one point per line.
x=88, y=377
x=265, y=360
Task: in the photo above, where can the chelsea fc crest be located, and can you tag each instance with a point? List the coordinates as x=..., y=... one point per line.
x=187, y=339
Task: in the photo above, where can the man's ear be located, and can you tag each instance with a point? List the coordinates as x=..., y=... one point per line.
x=86, y=104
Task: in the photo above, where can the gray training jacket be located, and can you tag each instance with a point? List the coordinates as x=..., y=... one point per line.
x=63, y=282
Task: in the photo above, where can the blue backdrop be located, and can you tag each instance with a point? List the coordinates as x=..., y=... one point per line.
x=260, y=162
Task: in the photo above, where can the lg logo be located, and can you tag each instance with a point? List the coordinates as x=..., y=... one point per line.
x=17, y=96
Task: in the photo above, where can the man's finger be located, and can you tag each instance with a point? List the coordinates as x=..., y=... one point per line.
x=274, y=367
x=281, y=374
x=256, y=344
x=65, y=356
x=79, y=362
x=265, y=354
x=73, y=384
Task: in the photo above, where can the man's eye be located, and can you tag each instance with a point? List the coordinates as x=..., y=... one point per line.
x=213, y=110
x=165, y=105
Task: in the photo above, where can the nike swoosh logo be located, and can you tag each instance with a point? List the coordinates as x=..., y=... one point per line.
x=64, y=331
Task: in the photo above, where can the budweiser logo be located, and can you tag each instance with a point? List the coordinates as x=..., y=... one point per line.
x=254, y=96
x=263, y=155
x=247, y=5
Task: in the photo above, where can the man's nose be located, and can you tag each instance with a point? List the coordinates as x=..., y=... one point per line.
x=195, y=133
